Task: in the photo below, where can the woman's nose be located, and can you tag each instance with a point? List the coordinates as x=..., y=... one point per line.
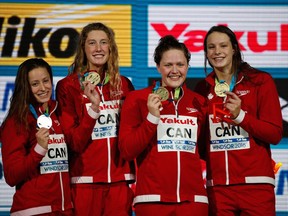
x=42, y=86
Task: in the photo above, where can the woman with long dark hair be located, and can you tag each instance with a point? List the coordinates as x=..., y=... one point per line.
x=244, y=119
x=34, y=151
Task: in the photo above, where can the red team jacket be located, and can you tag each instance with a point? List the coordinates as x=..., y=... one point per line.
x=36, y=193
x=93, y=143
x=239, y=154
x=169, y=167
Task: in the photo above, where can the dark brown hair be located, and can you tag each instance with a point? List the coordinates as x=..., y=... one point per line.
x=237, y=57
x=169, y=42
x=22, y=95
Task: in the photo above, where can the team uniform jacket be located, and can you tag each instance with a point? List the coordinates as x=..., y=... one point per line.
x=166, y=149
x=93, y=142
x=40, y=187
x=239, y=154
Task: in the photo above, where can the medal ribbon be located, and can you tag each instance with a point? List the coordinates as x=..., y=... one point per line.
x=106, y=80
x=82, y=78
x=177, y=93
x=219, y=81
x=157, y=85
x=232, y=83
x=33, y=111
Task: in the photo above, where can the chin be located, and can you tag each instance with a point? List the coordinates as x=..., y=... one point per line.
x=43, y=100
x=175, y=85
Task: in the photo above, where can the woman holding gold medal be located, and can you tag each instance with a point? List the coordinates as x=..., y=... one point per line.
x=244, y=119
x=162, y=126
x=90, y=100
x=34, y=152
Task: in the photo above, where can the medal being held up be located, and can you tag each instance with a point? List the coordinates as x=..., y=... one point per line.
x=92, y=77
x=162, y=92
x=220, y=88
x=44, y=121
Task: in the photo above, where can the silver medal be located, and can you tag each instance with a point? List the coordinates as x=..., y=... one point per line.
x=44, y=121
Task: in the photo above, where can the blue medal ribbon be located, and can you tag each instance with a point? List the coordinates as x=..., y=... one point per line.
x=232, y=84
x=33, y=111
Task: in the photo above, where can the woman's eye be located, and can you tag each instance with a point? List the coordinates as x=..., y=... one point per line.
x=34, y=84
x=104, y=42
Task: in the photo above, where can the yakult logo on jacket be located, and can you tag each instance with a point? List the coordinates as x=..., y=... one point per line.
x=177, y=121
x=116, y=105
x=55, y=140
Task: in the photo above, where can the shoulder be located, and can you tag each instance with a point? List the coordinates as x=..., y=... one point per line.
x=257, y=76
x=137, y=98
x=126, y=83
x=68, y=79
x=125, y=79
x=140, y=93
x=197, y=99
x=68, y=82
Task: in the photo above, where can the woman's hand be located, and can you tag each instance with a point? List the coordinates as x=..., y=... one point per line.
x=92, y=94
x=233, y=104
x=154, y=104
x=42, y=137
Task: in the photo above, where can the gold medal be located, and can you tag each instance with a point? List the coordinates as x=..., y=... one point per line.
x=221, y=88
x=92, y=77
x=162, y=92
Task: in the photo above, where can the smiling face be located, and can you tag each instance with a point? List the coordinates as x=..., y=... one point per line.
x=220, y=51
x=173, y=68
x=97, y=49
x=41, y=84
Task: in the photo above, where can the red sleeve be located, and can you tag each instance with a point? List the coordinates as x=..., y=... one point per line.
x=135, y=132
x=267, y=126
x=19, y=162
x=77, y=129
x=128, y=85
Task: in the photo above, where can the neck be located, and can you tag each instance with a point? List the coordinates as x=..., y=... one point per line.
x=222, y=75
x=44, y=106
